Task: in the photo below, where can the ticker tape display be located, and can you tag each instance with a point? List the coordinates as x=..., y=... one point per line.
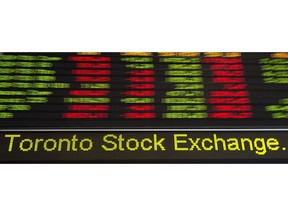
x=182, y=107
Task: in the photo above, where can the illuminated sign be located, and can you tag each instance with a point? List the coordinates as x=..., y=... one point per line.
x=132, y=100
x=148, y=146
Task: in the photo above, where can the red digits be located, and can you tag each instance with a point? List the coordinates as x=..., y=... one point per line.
x=89, y=58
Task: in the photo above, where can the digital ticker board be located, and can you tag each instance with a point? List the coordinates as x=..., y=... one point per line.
x=144, y=107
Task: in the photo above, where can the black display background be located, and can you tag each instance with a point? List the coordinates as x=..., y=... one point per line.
x=97, y=154
x=49, y=115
